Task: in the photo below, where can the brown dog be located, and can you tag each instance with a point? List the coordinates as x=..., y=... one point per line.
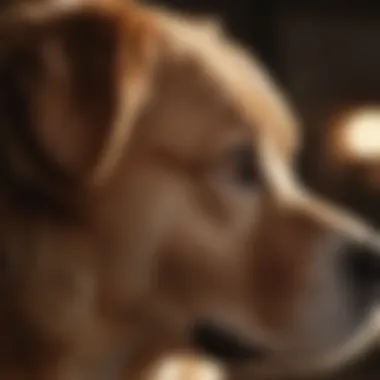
x=148, y=203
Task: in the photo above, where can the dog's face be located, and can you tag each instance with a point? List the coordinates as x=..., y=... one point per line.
x=166, y=148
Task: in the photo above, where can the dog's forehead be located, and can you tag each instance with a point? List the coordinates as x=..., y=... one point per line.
x=240, y=77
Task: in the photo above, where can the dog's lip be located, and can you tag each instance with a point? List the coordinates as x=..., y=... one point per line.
x=224, y=345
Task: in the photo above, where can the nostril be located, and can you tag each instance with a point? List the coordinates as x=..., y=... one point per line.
x=363, y=267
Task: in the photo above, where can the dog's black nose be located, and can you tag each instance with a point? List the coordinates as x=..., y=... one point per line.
x=362, y=266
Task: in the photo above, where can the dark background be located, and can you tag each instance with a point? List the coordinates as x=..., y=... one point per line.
x=326, y=55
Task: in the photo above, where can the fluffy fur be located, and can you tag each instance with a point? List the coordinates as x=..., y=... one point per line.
x=125, y=215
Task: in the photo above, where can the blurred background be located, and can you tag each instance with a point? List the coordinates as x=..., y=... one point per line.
x=326, y=55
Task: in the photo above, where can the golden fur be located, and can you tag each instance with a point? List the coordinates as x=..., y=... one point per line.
x=121, y=220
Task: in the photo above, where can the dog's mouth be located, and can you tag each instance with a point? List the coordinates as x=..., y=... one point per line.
x=224, y=345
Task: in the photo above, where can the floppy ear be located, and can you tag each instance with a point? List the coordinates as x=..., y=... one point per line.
x=74, y=81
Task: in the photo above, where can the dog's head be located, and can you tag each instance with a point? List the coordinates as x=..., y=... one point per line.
x=168, y=146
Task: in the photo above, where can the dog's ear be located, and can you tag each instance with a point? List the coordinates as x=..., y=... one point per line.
x=74, y=81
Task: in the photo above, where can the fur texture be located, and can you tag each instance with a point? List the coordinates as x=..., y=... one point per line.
x=127, y=210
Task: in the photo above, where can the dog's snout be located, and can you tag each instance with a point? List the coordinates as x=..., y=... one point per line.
x=362, y=266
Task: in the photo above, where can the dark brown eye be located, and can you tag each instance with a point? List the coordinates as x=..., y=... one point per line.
x=245, y=167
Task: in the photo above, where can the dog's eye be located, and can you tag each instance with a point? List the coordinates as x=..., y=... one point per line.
x=245, y=168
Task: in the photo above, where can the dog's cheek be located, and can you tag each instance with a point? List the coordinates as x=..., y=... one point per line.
x=280, y=273
x=204, y=260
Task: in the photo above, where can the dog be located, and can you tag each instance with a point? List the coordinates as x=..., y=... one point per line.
x=149, y=204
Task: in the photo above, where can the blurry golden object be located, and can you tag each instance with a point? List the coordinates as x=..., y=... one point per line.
x=361, y=134
x=186, y=368
x=354, y=141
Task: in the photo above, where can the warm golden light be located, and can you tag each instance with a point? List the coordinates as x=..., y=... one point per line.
x=362, y=134
x=189, y=368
